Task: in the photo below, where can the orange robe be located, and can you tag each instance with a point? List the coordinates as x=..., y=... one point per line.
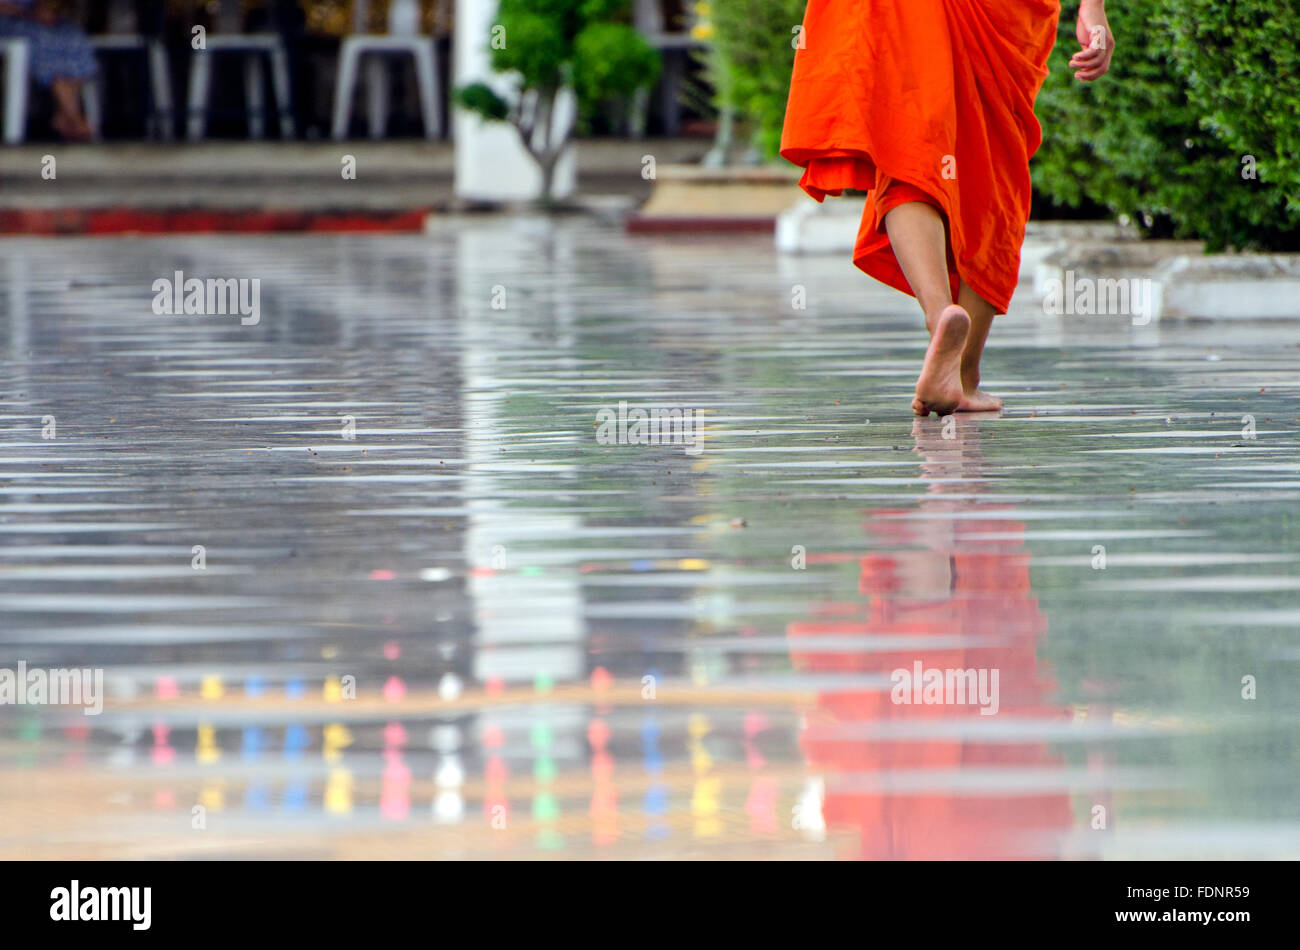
x=929, y=100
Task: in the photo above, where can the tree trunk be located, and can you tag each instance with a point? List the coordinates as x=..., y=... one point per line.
x=547, y=165
x=544, y=154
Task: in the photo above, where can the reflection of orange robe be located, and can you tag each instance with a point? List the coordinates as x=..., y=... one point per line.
x=925, y=100
x=861, y=734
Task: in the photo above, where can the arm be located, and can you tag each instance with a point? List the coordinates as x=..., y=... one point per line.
x=1095, y=39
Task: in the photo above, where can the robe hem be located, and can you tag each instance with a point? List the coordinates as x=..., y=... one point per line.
x=876, y=258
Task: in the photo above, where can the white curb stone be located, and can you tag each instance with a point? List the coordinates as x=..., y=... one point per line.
x=830, y=227
x=1233, y=286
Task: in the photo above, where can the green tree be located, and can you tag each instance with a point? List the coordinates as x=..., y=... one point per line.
x=550, y=45
x=750, y=61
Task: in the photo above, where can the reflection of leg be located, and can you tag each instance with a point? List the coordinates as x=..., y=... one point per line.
x=950, y=449
x=920, y=242
x=981, y=320
x=951, y=466
x=925, y=575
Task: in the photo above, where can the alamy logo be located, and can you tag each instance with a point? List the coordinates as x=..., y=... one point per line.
x=134, y=904
x=1134, y=297
x=58, y=687
x=936, y=687
x=216, y=295
x=654, y=426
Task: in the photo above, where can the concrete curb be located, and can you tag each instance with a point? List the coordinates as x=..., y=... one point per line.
x=691, y=198
x=828, y=227
x=1096, y=261
x=46, y=222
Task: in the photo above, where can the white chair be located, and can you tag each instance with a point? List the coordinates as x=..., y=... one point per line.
x=256, y=49
x=124, y=35
x=16, y=56
x=403, y=39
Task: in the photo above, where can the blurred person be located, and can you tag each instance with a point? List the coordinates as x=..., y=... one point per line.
x=928, y=105
x=61, y=59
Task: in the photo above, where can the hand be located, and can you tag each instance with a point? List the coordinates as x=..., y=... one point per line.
x=1097, y=42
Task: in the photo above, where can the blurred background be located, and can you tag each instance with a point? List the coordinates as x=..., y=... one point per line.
x=562, y=648
x=310, y=34
x=1193, y=135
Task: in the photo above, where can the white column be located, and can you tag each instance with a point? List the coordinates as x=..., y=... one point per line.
x=491, y=163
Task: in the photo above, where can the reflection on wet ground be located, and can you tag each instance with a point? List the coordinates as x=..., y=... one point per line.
x=364, y=581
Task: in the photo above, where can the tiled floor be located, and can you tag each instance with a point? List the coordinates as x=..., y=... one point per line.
x=560, y=647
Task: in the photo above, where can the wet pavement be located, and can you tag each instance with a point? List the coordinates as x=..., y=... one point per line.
x=366, y=579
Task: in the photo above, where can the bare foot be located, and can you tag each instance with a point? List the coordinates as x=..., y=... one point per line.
x=938, y=388
x=978, y=401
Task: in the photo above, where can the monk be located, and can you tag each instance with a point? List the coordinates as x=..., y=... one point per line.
x=928, y=105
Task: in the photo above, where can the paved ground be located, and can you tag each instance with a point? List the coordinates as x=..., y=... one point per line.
x=568, y=648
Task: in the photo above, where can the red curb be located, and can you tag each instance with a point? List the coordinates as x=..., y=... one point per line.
x=44, y=221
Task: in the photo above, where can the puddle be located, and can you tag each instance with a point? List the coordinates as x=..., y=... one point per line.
x=368, y=585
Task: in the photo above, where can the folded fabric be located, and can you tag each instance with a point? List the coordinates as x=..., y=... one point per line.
x=929, y=100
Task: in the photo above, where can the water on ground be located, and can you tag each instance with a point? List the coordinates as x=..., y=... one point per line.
x=376, y=576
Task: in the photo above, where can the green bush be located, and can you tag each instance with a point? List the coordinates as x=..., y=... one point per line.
x=751, y=58
x=610, y=63
x=1242, y=65
x=1194, y=87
